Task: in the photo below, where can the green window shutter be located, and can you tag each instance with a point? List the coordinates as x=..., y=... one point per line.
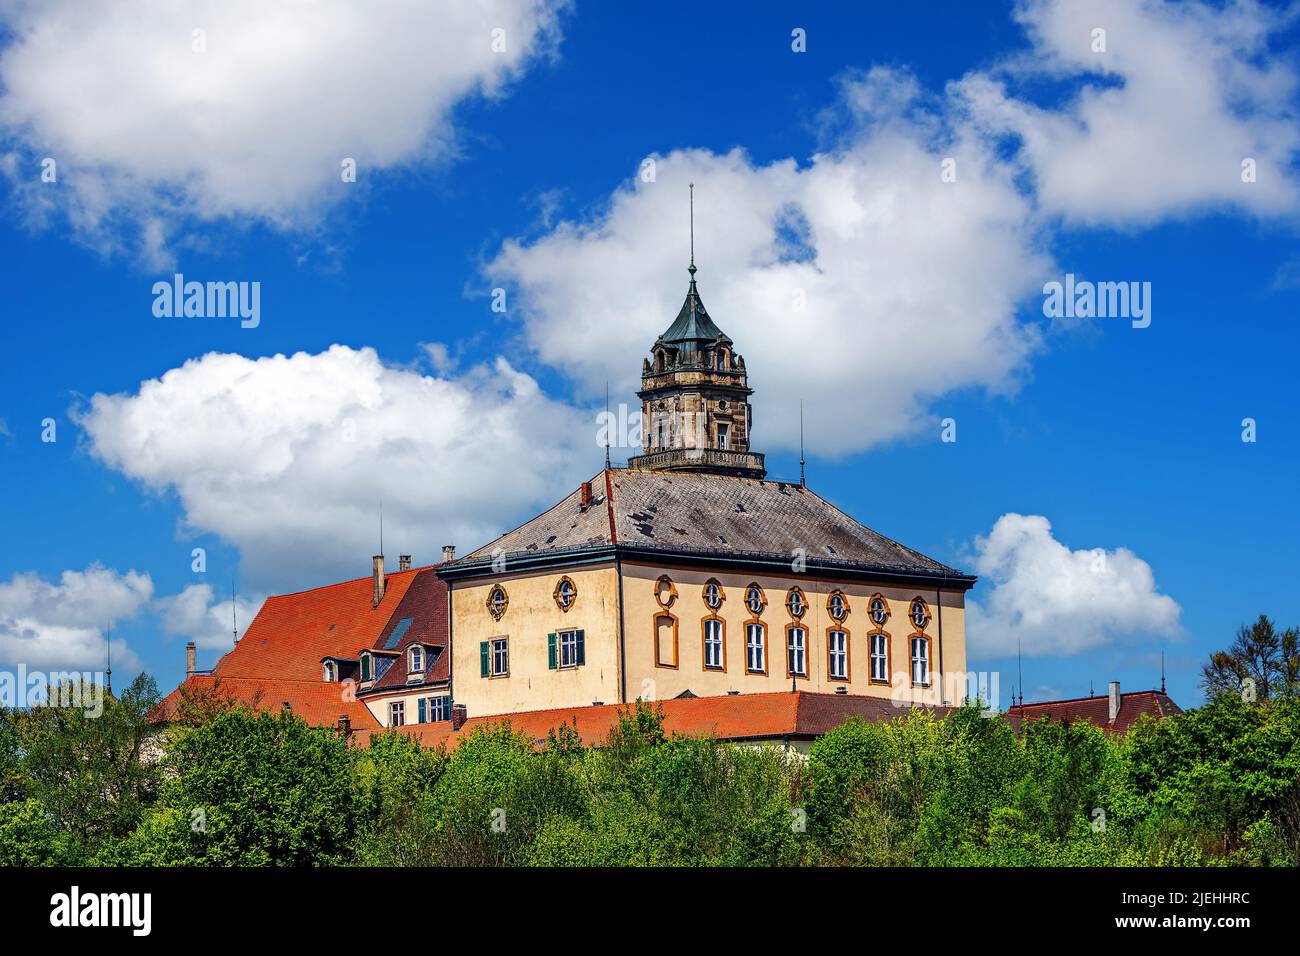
x=582, y=647
x=446, y=708
x=421, y=710
x=484, y=659
x=552, y=661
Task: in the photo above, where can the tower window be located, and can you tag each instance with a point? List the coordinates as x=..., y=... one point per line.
x=724, y=436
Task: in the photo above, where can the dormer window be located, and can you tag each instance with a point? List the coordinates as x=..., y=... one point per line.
x=331, y=672
x=367, y=668
x=416, y=659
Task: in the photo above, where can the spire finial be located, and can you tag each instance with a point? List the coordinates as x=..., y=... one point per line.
x=108, y=669
x=691, y=268
x=607, y=424
x=803, y=482
x=234, y=623
x=1162, y=671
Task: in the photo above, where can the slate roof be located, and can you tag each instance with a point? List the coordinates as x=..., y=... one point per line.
x=1096, y=710
x=798, y=715
x=684, y=513
x=693, y=324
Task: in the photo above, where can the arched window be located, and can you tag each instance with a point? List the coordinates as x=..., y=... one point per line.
x=665, y=591
x=920, y=660
x=878, y=610
x=713, y=594
x=796, y=603
x=331, y=672
x=566, y=592
x=416, y=662
x=919, y=613
x=497, y=602
x=837, y=606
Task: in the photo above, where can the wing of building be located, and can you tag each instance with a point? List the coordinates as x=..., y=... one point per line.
x=686, y=576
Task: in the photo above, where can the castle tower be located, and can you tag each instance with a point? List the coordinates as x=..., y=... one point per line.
x=695, y=411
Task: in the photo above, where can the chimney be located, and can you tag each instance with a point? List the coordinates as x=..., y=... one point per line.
x=585, y=501
x=379, y=578
x=448, y=553
x=190, y=667
x=458, y=716
x=345, y=727
x=1114, y=700
x=403, y=562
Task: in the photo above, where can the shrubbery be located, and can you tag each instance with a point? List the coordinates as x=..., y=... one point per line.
x=1215, y=786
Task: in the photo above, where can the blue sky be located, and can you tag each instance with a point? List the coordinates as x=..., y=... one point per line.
x=521, y=171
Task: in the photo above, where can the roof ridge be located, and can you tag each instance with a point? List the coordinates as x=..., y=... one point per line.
x=339, y=584
x=1071, y=700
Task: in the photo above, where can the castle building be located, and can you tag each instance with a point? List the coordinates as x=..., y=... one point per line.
x=685, y=575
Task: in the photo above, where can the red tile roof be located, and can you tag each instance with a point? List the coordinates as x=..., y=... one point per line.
x=1096, y=710
x=800, y=715
x=292, y=632
x=319, y=703
x=425, y=603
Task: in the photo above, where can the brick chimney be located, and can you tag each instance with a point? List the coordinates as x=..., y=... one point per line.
x=448, y=553
x=1114, y=700
x=190, y=666
x=379, y=578
x=458, y=716
x=403, y=562
x=585, y=499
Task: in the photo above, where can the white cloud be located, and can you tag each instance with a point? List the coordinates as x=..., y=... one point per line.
x=47, y=625
x=1057, y=601
x=195, y=614
x=910, y=283
x=288, y=457
x=1163, y=118
x=145, y=130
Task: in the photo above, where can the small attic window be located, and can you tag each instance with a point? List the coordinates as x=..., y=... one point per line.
x=331, y=672
x=367, y=667
x=415, y=663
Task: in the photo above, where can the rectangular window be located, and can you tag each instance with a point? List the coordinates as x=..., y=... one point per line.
x=397, y=713
x=921, y=660
x=365, y=667
x=421, y=707
x=879, y=658
x=797, y=651
x=496, y=657
x=439, y=708
x=713, y=657
x=569, y=649
x=837, y=647
x=724, y=436
x=665, y=641
x=755, y=649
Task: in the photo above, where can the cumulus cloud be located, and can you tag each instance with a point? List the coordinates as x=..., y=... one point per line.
x=1057, y=601
x=196, y=614
x=289, y=457
x=61, y=625
x=147, y=129
x=1162, y=119
x=861, y=283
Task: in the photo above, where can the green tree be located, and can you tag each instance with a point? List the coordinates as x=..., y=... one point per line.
x=1260, y=653
x=28, y=837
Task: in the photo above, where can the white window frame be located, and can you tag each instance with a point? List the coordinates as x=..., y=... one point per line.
x=754, y=600
x=499, y=651
x=841, y=655
x=432, y=714
x=397, y=713
x=801, y=649
x=714, y=658
x=715, y=589
x=921, y=660
x=566, y=643
x=415, y=659
x=330, y=672
x=724, y=435
x=884, y=611
x=756, y=647
x=796, y=595
x=879, y=640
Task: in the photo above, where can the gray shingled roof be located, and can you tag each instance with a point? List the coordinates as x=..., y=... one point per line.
x=683, y=512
